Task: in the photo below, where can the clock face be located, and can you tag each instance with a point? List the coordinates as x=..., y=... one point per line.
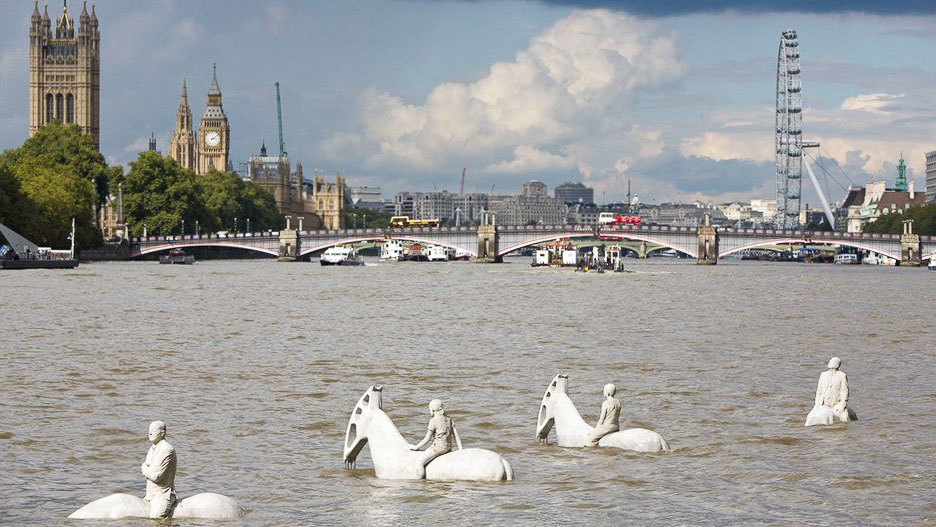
x=212, y=138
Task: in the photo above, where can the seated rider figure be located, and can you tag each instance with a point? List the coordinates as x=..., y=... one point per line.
x=441, y=432
x=832, y=391
x=608, y=419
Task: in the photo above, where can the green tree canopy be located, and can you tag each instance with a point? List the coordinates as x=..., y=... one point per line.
x=159, y=194
x=48, y=181
x=923, y=216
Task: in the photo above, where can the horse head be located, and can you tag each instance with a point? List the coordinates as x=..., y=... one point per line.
x=356, y=434
x=547, y=417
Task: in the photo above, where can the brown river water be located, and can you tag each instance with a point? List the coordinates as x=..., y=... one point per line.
x=256, y=365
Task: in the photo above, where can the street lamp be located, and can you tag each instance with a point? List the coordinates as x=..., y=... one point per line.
x=248, y=224
x=183, y=227
x=354, y=215
x=197, y=232
x=235, y=225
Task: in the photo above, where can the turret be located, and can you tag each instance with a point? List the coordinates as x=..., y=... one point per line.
x=46, y=23
x=64, y=27
x=84, y=22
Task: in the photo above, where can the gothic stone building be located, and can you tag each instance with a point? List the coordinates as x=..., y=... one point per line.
x=210, y=147
x=65, y=71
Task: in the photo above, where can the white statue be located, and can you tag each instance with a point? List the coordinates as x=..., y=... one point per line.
x=831, y=403
x=160, y=501
x=608, y=418
x=395, y=458
x=557, y=410
x=442, y=433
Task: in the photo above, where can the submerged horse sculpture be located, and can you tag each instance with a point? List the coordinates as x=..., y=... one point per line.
x=558, y=410
x=205, y=505
x=393, y=459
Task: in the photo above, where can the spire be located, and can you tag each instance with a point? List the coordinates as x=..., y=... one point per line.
x=214, y=89
x=263, y=151
x=901, y=175
x=35, y=15
x=184, y=91
x=93, y=14
x=84, y=9
x=45, y=14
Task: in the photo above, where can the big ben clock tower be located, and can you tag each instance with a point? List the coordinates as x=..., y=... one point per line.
x=214, y=134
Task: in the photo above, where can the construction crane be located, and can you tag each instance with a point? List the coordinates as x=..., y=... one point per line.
x=463, y=182
x=279, y=122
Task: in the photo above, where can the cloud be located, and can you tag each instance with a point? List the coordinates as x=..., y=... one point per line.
x=529, y=159
x=572, y=87
x=682, y=7
x=720, y=146
x=873, y=103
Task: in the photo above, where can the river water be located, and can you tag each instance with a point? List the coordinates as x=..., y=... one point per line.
x=256, y=365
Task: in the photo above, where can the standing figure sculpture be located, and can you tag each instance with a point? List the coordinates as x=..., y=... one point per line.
x=441, y=432
x=831, y=397
x=160, y=501
x=608, y=419
x=159, y=470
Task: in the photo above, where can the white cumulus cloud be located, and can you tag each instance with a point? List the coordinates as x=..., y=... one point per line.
x=871, y=103
x=572, y=89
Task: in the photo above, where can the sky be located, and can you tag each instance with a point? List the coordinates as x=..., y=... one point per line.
x=676, y=97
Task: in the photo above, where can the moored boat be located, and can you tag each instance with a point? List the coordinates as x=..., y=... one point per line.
x=392, y=251
x=340, y=255
x=177, y=256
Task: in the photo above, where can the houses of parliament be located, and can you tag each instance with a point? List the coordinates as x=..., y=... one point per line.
x=65, y=87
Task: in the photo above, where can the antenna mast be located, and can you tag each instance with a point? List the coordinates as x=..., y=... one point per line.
x=279, y=122
x=463, y=182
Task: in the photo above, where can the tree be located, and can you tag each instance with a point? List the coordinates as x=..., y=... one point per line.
x=366, y=218
x=227, y=197
x=55, y=175
x=159, y=194
x=923, y=216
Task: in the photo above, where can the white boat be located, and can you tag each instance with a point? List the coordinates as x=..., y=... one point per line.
x=340, y=255
x=846, y=259
x=540, y=258
x=435, y=253
x=878, y=259
x=932, y=264
x=392, y=250
x=569, y=258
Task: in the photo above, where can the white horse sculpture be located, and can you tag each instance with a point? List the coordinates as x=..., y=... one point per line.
x=393, y=459
x=206, y=505
x=558, y=410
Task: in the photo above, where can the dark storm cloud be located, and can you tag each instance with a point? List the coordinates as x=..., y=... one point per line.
x=683, y=7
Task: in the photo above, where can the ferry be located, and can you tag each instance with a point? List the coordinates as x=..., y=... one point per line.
x=392, y=251
x=415, y=253
x=541, y=258
x=340, y=255
x=846, y=259
x=459, y=255
x=436, y=253
x=177, y=256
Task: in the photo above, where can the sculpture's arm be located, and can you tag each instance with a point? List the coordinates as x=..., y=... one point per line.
x=158, y=468
x=457, y=438
x=424, y=442
x=843, y=393
x=819, y=391
x=603, y=414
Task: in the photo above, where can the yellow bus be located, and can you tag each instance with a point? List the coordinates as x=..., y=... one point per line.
x=405, y=221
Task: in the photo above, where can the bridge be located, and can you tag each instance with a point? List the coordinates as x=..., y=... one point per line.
x=488, y=242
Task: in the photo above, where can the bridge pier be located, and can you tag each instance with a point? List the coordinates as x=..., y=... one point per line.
x=642, y=250
x=488, y=240
x=708, y=244
x=911, y=248
x=288, y=243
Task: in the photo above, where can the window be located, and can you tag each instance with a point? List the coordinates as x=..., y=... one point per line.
x=50, y=108
x=69, y=108
x=59, y=107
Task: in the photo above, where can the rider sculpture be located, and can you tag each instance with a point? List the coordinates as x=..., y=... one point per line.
x=831, y=402
x=159, y=470
x=441, y=432
x=608, y=419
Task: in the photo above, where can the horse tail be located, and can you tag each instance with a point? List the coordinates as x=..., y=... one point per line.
x=508, y=470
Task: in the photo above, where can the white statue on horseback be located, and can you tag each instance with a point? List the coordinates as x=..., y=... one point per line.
x=558, y=411
x=396, y=458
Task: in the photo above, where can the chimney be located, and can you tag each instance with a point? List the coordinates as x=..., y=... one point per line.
x=910, y=189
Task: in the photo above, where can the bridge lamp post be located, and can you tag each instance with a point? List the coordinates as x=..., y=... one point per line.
x=364, y=221
x=248, y=224
x=235, y=225
x=183, y=227
x=144, y=231
x=197, y=232
x=287, y=221
x=354, y=215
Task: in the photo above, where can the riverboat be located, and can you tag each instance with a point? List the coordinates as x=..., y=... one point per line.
x=177, y=256
x=415, y=253
x=459, y=255
x=846, y=259
x=541, y=258
x=932, y=264
x=436, y=253
x=392, y=251
x=340, y=255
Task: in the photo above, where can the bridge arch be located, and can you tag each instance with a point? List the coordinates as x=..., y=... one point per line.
x=206, y=243
x=589, y=234
x=811, y=241
x=402, y=237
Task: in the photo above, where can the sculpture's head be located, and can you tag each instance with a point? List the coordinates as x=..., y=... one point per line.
x=157, y=431
x=435, y=405
x=546, y=419
x=609, y=390
x=835, y=363
x=356, y=433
